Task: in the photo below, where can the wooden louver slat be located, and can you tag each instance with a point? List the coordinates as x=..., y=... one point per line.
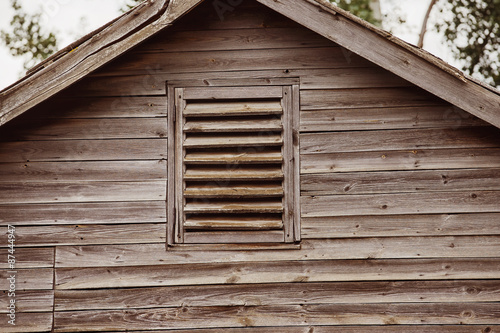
x=239, y=173
x=231, y=140
x=234, y=126
x=246, y=157
x=204, y=222
x=232, y=169
x=232, y=109
x=234, y=206
x=213, y=190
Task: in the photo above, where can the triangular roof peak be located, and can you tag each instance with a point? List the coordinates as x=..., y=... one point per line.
x=380, y=47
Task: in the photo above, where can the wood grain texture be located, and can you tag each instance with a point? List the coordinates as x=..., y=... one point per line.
x=280, y=294
x=373, y=97
x=422, y=258
x=414, y=139
x=29, y=322
x=90, y=234
x=29, y=279
x=349, y=329
x=231, y=93
x=222, y=61
x=83, y=171
x=120, y=95
x=29, y=301
x=318, y=249
x=235, y=39
x=388, y=160
x=83, y=150
x=299, y=315
x=407, y=203
x=400, y=182
x=387, y=118
x=401, y=225
x=342, y=78
x=278, y=272
x=17, y=193
x=84, y=213
x=84, y=102
x=247, y=14
x=104, y=84
x=232, y=237
x=28, y=257
x=88, y=129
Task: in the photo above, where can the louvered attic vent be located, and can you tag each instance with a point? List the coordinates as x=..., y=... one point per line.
x=234, y=165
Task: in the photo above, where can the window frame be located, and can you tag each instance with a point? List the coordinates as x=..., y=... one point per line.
x=218, y=89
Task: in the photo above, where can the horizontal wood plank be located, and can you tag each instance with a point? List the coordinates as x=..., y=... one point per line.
x=344, y=78
x=405, y=203
x=234, y=172
x=93, y=129
x=17, y=193
x=239, y=190
x=393, y=160
x=90, y=234
x=84, y=150
x=363, y=98
x=29, y=301
x=195, y=93
x=84, y=213
x=318, y=249
x=400, y=181
x=232, y=237
x=240, y=207
x=249, y=108
x=415, y=139
x=28, y=322
x=75, y=102
x=401, y=225
x=243, y=157
x=29, y=279
x=280, y=294
x=349, y=329
x=27, y=257
x=298, y=315
x=121, y=88
x=83, y=171
x=233, y=140
x=278, y=272
x=232, y=126
x=442, y=116
x=236, y=39
x=223, y=61
x=235, y=223
x=367, y=76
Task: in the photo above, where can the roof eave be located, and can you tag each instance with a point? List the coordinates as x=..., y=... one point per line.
x=110, y=41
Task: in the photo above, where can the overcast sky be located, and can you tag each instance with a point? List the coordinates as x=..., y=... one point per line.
x=71, y=19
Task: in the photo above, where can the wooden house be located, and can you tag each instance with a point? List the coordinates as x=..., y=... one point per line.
x=249, y=166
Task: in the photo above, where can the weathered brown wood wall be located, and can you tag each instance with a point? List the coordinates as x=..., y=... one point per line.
x=400, y=199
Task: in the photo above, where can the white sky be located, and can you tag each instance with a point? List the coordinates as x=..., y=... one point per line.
x=71, y=19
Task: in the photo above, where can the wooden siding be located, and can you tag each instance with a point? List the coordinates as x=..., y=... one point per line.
x=400, y=196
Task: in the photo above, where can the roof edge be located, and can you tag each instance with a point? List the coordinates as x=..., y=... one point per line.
x=393, y=54
x=110, y=41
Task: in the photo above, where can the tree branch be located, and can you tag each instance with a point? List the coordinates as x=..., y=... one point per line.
x=424, y=24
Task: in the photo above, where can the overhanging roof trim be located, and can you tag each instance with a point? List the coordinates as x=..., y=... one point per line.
x=113, y=39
